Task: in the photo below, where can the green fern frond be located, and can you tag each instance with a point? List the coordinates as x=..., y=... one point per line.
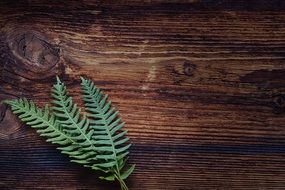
x=109, y=139
x=72, y=121
x=96, y=141
x=46, y=124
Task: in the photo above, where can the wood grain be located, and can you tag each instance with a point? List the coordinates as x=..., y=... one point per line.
x=200, y=84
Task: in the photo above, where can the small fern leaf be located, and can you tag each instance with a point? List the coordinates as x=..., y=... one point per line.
x=126, y=173
x=112, y=149
x=73, y=122
x=108, y=178
x=46, y=125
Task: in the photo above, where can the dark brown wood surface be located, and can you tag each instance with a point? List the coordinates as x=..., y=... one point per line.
x=199, y=83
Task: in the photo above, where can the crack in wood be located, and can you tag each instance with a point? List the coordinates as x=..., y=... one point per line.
x=3, y=109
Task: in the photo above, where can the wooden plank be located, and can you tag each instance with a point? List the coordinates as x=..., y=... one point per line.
x=200, y=85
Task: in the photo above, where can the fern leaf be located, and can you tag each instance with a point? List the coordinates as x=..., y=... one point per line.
x=111, y=146
x=46, y=125
x=73, y=122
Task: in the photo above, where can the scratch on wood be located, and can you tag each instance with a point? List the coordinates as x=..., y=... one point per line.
x=150, y=77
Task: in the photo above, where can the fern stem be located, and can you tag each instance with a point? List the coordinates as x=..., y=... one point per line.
x=123, y=185
x=121, y=181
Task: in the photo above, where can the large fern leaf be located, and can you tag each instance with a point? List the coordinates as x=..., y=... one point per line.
x=46, y=124
x=111, y=143
x=72, y=121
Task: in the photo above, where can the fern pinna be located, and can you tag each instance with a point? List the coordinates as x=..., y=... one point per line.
x=94, y=140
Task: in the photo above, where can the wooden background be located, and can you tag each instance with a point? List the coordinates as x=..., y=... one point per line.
x=200, y=84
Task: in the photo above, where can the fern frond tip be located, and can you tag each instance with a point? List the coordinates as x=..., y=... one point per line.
x=58, y=79
x=7, y=102
x=82, y=79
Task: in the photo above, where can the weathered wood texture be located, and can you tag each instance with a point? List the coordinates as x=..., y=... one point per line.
x=200, y=84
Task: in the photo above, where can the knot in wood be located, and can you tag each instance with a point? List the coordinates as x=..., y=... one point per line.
x=279, y=103
x=34, y=50
x=189, y=68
